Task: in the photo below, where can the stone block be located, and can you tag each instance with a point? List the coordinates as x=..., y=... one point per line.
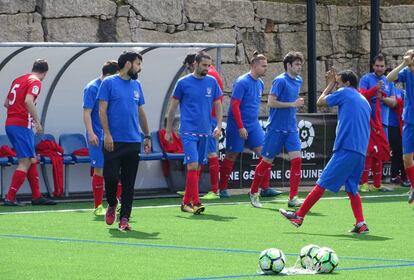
x=21, y=27
x=77, y=8
x=67, y=29
x=280, y=12
x=17, y=6
x=397, y=14
x=166, y=11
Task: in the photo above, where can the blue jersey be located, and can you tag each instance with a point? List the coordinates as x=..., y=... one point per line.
x=286, y=89
x=353, y=128
x=249, y=92
x=407, y=77
x=393, y=118
x=370, y=80
x=196, y=98
x=90, y=101
x=123, y=97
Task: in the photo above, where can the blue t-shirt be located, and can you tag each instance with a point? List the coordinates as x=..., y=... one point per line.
x=405, y=76
x=370, y=80
x=123, y=97
x=196, y=98
x=249, y=92
x=353, y=128
x=286, y=89
x=90, y=101
x=393, y=118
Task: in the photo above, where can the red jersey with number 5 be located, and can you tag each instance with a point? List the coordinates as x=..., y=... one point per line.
x=17, y=113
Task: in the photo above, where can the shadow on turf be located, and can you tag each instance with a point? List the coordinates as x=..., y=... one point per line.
x=211, y=217
x=310, y=213
x=361, y=237
x=133, y=234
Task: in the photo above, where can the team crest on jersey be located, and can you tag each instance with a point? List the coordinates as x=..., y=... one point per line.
x=208, y=92
x=35, y=90
x=136, y=95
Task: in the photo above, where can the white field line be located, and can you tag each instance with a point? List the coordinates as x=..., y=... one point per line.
x=176, y=205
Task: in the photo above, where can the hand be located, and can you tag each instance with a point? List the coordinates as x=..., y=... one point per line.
x=408, y=58
x=38, y=128
x=330, y=76
x=379, y=86
x=299, y=102
x=168, y=136
x=217, y=132
x=147, y=145
x=243, y=133
x=93, y=139
x=108, y=142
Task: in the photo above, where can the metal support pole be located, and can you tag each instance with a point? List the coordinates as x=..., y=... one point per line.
x=375, y=17
x=311, y=32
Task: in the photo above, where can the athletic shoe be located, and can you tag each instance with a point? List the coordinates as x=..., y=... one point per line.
x=99, y=211
x=411, y=197
x=406, y=183
x=269, y=193
x=255, y=200
x=294, y=202
x=110, y=215
x=7, y=202
x=181, y=193
x=396, y=180
x=198, y=208
x=382, y=189
x=43, y=201
x=364, y=188
x=361, y=229
x=291, y=217
x=124, y=225
x=224, y=193
x=187, y=208
x=211, y=195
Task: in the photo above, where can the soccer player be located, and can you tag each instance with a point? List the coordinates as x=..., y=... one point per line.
x=213, y=161
x=405, y=73
x=282, y=129
x=21, y=116
x=243, y=125
x=351, y=142
x=369, y=85
x=196, y=93
x=121, y=110
x=94, y=133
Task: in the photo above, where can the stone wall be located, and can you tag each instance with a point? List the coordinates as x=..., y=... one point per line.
x=273, y=28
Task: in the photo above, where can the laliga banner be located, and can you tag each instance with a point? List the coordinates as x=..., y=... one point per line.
x=317, y=135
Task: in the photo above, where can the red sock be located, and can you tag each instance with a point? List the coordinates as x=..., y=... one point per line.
x=295, y=174
x=266, y=179
x=356, y=205
x=367, y=168
x=225, y=171
x=119, y=190
x=16, y=183
x=33, y=178
x=191, y=186
x=410, y=175
x=377, y=172
x=97, y=189
x=260, y=172
x=213, y=164
x=316, y=193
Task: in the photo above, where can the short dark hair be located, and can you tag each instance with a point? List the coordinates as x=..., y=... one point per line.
x=189, y=59
x=40, y=66
x=379, y=57
x=291, y=56
x=257, y=57
x=110, y=68
x=126, y=56
x=201, y=55
x=349, y=76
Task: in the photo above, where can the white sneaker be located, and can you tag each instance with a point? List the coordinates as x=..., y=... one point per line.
x=255, y=200
x=294, y=202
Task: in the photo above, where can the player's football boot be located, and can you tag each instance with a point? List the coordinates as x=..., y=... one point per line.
x=224, y=193
x=255, y=200
x=269, y=193
x=124, y=225
x=187, y=208
x=396, y=180
x=198, y=208
x=360, y=229
x=364, y=188
x=110, y=215
x=411, y=197
x=210, y=196
x=99, y=211
x=7, y=202
x=382, y=189
x=294, y=202
x=291, y=217
x=406, y=183
x=181, y=193
x=43, y=201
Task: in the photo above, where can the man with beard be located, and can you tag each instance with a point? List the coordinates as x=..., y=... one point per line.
x=369, y=86
x=196, y=93
x=121, y=109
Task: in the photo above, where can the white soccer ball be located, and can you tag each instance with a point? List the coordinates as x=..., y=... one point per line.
x=326, y=260
x=272, y=261
x=307, y=256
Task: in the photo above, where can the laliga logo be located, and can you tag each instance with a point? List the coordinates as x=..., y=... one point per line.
x=306, y=135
